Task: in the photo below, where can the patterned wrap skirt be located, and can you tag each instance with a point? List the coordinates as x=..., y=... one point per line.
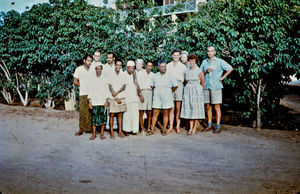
x=84, y=114
x=99, y=115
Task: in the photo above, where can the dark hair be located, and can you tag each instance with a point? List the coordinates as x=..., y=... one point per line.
x=176, y=51
x=193, y=56
x=87, y=56
x=97, y=51
x=210, y=46
x=111, y=53
x=161, y=61
x=118, y=60
x=149, y=62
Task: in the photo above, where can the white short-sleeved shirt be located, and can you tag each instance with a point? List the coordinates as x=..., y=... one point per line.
x=93, y=66
x=84, y=79
x=108, y=70
x=98, y=91
x=144, y=79
x=117, y=82
x=177, y=71
x=130, y=91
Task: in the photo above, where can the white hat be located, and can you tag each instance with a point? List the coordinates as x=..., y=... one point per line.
x=130, y=64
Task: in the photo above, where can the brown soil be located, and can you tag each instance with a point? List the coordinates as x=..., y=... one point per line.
x=40, y=154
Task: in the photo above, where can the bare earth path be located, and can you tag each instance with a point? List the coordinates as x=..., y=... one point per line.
x=40, y=154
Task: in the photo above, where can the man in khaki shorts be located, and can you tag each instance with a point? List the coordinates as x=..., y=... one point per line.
x=144, y=80
x=213, y=68
x=117, y=103
x=176, y=69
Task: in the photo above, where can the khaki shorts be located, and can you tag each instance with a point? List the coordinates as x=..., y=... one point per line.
x=114, y=107
x=177, y=95
x=147, y=105
x=213, y=96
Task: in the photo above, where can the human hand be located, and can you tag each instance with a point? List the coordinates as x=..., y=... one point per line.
x=90, y=106
x=106, y=104
x=118, y=101
x=142, y=98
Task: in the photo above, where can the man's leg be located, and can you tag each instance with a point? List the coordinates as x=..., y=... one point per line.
x=141, y=113
x=171, y=119
x=154, y=119
x=178, y=110
x=94, y=133
x=209, y=117
x=120, y=124
x=102, y=132
x=80, y=132
x=218, y=117
x=165, y=121
x=111, y=123
x=149, y=117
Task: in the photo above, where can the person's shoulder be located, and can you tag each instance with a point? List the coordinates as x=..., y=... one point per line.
x=170, y=63
x=80, y=67
x=205, y=60
x=219, y=59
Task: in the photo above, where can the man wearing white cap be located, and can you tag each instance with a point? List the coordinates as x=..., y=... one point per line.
x=133, y=95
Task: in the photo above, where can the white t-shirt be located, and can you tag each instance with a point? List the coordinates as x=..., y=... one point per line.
x=130, y=91
x=84, y=79
x=176, y=71
x=117, y=82
x=98, y=90
x=144, y=79
x=108, y=70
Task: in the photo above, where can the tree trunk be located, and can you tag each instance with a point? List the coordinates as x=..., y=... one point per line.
x=257, y=89
x=24, y=99
x=7, y=96
x=258, y=115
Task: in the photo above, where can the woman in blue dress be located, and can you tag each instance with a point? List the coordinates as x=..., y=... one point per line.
x=193, y=98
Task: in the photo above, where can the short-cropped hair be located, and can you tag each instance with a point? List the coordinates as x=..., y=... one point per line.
x=161, y=61
x=119, y=61
x=176, y=51
x=87, y=56
x=192, y=57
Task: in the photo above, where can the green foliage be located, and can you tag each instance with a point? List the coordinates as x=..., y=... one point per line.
x=260, y=39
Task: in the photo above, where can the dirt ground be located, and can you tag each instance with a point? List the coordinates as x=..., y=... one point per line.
x=40, y=154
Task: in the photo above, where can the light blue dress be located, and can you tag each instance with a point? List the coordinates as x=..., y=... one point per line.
x=193, y=97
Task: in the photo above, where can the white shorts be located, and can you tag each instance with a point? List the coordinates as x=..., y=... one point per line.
x=177, y=94
x=147, y=104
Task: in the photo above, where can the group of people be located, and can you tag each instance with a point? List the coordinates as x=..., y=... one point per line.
x=179, y=90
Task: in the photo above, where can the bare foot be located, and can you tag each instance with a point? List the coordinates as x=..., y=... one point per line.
x=121, y=135
x=190, y=132
x=170, y=130
x=80, y=132
x=178, y=130
x=125, y=133
x=164, y=133
x=112, y=136
x=194, y=132
x=93, y=137
x=102, y=137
